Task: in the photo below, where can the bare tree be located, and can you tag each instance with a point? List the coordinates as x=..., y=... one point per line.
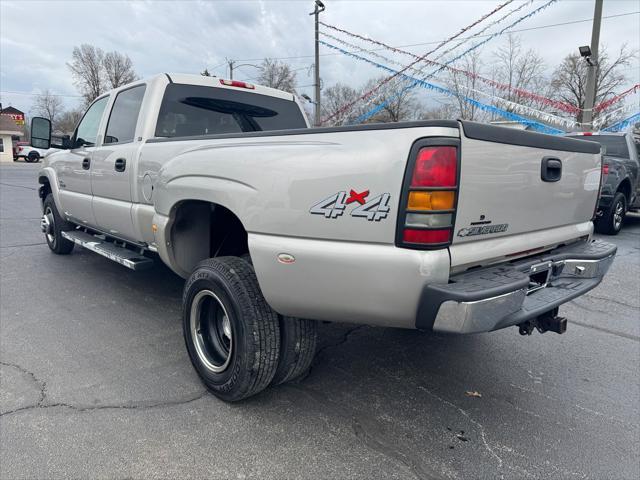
x=87, y=68
x=444, y=111
x=397, y=102
x=205, y=73
x=49, y=106
x=463, y=87
x=68, y=121
x=278, y=75
x=569, y=79
x=519, y=69
x=336, y=97
x=118, y=69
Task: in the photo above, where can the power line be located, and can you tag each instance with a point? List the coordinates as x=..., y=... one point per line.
x=539, y=27
x=31, y=94
x=218, y=66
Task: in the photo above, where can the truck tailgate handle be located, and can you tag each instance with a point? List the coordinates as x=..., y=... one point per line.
x=551, y=169
x=86, y=163
x=120, y=164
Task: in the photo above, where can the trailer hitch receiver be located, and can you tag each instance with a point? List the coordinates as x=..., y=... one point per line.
x=547, y=322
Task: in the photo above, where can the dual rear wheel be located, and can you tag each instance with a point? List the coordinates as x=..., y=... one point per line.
x=236, y=342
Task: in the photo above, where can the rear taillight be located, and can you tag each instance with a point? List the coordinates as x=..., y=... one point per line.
x=435, y=167
x=605, y=169
x=236, y=83
x=429, y=199
x=19, y=149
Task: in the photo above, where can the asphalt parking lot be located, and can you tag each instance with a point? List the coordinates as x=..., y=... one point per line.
x=96, y=383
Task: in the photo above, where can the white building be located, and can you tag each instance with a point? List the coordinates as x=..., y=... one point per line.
x=8, y=129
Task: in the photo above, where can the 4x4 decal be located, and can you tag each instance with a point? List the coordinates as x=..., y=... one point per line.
x=374, y=209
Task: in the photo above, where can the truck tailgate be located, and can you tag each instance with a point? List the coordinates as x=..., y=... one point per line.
x=513, y=183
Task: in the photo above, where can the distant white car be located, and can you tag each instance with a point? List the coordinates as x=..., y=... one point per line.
x=29, y=153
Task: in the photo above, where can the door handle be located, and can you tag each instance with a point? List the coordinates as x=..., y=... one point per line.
x=551, y=169
x=120, y=165
x=86, y=163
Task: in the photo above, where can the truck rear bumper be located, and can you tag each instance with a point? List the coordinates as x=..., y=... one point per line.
x=497, y=297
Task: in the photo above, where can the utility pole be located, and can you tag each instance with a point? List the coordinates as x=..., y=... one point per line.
x=319, y=7
x=231, y=62
x=592, y=70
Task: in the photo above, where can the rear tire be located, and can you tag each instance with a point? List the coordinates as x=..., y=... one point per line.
x=298, y=339
x=613, y=217
x=231, y=333
x=53, y=225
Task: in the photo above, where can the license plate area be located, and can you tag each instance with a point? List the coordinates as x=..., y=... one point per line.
x=539, y=276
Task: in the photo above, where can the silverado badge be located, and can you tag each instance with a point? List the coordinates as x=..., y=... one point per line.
x=482, y=230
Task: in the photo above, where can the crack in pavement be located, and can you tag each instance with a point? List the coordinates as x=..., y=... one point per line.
x=42, y=386
x=475, y=422
x=558, y=401
x=496, y=446
x=320, y=351
x=369, y=439
x=91, y=408
x=618, y=302
x=364, y=428
x=23, y=245
x=17, y=186
x=379, y=445
x=628, y=336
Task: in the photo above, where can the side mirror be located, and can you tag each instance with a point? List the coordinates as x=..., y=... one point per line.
x=40, y=133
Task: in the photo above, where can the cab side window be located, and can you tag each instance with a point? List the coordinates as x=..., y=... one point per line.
x=87, y=131
x=121, y=127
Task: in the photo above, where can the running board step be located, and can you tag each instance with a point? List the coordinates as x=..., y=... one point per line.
x=121, y=255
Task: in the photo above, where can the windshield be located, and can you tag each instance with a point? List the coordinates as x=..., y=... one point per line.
x=193, y=110
x=616, y=145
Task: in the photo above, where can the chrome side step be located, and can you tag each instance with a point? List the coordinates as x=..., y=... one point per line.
x=121, y=255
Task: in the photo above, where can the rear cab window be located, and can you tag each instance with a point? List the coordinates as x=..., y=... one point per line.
x=123, y=119
x=194, y=110
x=615, y=145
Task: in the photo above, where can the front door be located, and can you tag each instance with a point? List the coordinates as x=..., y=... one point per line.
x=74, y=168
x=112, y=168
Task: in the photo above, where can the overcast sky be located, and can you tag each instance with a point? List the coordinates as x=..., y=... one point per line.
x=37, y=37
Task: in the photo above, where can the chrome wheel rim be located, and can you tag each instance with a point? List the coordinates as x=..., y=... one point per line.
x=47, y=225
x=211, y=331
x=617, y=215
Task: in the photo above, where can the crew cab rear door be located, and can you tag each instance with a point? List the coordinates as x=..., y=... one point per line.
x=514, y=184
x=113, y=165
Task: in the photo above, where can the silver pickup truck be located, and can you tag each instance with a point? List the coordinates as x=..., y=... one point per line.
x=449, y=226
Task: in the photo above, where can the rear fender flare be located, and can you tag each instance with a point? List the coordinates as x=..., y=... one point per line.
x=618, y=173
x=237, y=197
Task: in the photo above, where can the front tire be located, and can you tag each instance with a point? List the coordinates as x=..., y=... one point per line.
x=34, y=157
x=52, y=225
x=231, y=333
x=611, y=221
